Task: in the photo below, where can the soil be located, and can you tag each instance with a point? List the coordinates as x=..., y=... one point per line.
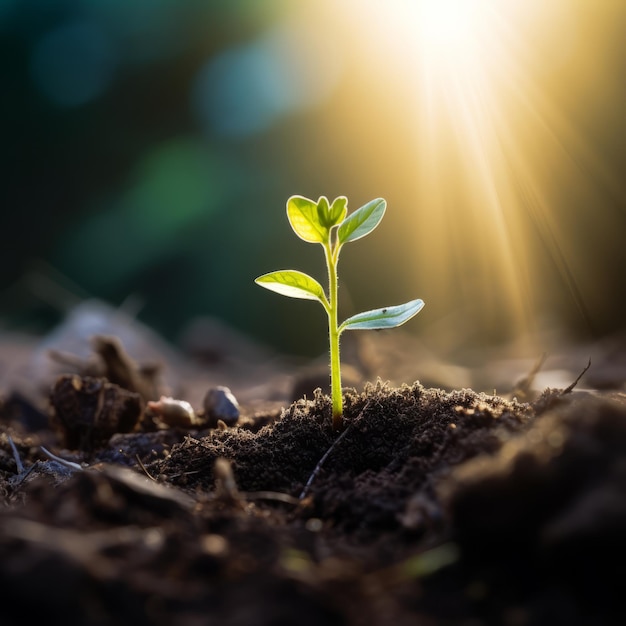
x=431, y=506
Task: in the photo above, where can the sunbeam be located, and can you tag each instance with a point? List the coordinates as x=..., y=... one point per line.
x=491, y=149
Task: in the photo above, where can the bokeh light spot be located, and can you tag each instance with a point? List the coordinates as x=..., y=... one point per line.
x=247, y=89
x=174, y=188
x=74, y=63
x=173, y=185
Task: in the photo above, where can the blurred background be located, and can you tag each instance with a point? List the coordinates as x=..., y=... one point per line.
x=149, y=147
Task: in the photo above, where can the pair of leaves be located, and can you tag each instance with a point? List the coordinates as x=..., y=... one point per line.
x=297, y=284
x=313, y=221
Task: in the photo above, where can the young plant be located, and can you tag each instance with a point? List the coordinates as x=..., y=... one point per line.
x=327, y=224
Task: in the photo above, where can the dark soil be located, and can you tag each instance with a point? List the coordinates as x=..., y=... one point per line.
x=431, y=507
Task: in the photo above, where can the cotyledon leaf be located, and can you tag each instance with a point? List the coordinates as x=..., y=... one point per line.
x=387, y=317
x=293, y=284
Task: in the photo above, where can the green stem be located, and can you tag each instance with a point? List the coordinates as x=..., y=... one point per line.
x=332, y=256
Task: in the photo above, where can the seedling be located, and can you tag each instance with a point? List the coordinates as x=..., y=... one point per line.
x=327, y=224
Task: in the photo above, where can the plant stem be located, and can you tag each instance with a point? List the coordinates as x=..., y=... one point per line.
x=332, y=256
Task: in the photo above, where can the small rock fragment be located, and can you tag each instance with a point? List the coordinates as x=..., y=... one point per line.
x=174, y=413
x=221, y=404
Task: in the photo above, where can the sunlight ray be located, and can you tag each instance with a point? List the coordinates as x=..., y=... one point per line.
x=494, y=150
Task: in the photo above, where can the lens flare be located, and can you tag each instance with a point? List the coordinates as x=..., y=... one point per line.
x=448, y=30
x=491, y=146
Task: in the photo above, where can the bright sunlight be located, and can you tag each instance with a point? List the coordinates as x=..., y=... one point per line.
x=449, y=30
x=472, y=82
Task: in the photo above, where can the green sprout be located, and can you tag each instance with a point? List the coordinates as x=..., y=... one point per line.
x=327, y=224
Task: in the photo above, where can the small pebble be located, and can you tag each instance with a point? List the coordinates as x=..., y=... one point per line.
x=174, y=413
x=221, y=404
x=314, y=525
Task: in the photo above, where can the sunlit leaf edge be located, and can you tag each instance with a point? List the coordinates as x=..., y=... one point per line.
x=386, y=317
x=293, y=284
x=362, y=222
x=303, y=216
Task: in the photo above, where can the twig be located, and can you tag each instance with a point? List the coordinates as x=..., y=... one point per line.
x=522, y=387
x=321, y=462
x=16, y=455
x=145, y=471
x=69, y=464
x=24, y=476
x=571, y=387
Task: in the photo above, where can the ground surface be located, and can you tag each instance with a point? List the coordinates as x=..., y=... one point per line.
x=431, y=507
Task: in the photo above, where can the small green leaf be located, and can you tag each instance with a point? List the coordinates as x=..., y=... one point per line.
x=304, y=218
x=338, y=210
x=362, y=222
x=323, y=212
x=293, y=284
x=388, y=317
x=330, y=216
